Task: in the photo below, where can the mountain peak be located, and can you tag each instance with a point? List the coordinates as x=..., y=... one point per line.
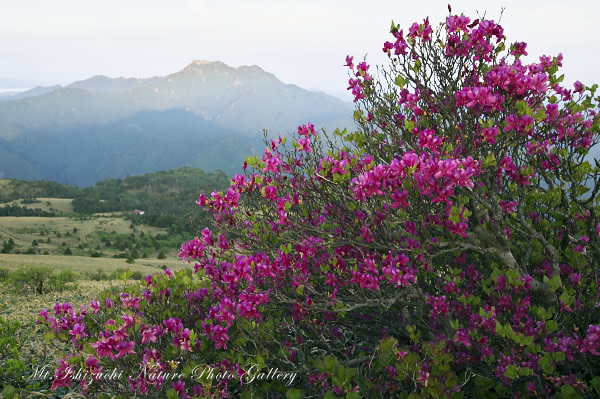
x=204, y=62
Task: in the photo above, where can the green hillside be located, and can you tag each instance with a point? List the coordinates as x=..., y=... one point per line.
x=167, y=197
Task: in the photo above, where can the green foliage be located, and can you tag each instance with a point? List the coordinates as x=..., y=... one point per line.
x=30, y=278
x=15, y=210
x=40, y=280
x=11, y=368
x=136, y=275
x=148, y=193
x=7, y=246
x=4, y=274
x=62, y=280
x=99, y=275
x=17, y=189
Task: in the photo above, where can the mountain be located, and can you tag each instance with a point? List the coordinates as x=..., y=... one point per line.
x=95, y=83
x=36, y=91
x=207, y=115
x=104, y=83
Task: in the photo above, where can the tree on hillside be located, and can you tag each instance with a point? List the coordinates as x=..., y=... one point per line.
x=448, y=248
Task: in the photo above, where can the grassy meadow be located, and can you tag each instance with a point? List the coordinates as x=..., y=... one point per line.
x=58, y=205
x=105, y=234
x=82, y=264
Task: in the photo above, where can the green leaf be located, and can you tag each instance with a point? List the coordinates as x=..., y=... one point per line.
x=353, y=395
x=400, y=81
x=417, y=67
x=294, y=393
x=247, y=395
x=566, y=298
x=546, y=365
x=125, y=275
x=555, y=283
x=490, y=161
x=454, y=214
x=511, y=371
x=523, y=108
x=171, y=394
x=559, y=356
x=568, y=392
x=526, y=371
x=540, y=115
x=330, y=362
x=596, y=384
x=9, y=392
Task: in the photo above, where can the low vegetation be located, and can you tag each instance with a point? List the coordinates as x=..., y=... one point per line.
x=39, y=280
x=56, y=246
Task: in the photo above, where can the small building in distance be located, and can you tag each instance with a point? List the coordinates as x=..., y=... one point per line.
x=137, y=212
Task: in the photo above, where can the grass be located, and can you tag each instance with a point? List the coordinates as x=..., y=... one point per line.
x=60, y=205
x=57, y=205
x=26, y=307
x=82, y=236
x=84, y=264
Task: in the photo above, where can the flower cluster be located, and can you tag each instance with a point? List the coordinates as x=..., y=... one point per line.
x=449, y=246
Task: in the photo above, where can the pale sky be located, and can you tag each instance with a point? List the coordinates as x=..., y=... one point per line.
x=301, y=42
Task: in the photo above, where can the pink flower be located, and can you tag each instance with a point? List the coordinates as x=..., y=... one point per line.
x=173, y=324
x=439, y=306
x=62, y=375
x=519, y=49
x=304, y=144
x=179, y=387
x=92, y=365
x=592, y=340
x=271, y=161
x=149, y=334
x=349, y=63
x=307, y=130
x=191, y=249
x=124, y=348
x=455, y=22
x=410, y=159
x=462, y=336
x=270, y=192
x=78, y=332
x=95, y=306
x=104, y=348
x=399, y=198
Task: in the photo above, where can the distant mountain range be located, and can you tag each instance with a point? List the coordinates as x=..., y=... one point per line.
x=208, y=115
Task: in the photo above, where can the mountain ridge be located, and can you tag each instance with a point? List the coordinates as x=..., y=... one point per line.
x=207, y=106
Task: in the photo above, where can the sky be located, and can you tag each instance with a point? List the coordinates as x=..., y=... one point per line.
x=302, y=42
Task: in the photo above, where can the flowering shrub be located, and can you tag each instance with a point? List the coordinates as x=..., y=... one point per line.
x=448, y=248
